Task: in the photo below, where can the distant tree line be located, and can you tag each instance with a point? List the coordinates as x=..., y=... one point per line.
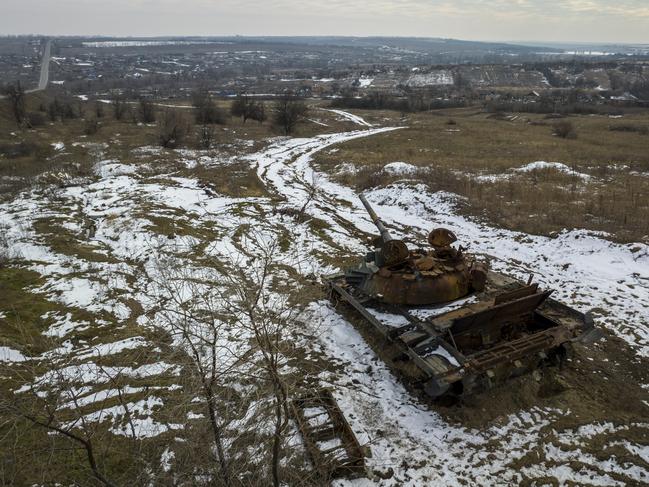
x=175, y=125
x=377, y=100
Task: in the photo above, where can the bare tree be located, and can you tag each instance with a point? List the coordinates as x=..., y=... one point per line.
x=146, y=111
x=259, y=114
x=206, y=137
x=55, y=404
x=119, y=107
x=91, y=126
x=251, y=303
x=99, y=110
x=16, y=96
x=207, y=111
x=247, y=107
x=311, y=190
x=192, y=313
x=64, y=401
x=289, y=111
x=564, y=129
x=173, y=128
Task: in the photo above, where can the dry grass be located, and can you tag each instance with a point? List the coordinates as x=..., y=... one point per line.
x=26, y=155
x=453, y=156
x=461, y=157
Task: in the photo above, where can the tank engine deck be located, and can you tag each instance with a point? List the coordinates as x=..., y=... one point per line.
x=509, y=329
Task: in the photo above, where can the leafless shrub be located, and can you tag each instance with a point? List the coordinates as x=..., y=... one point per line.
x=247, y=107
x=206, y=137
x=173, y=129
x=99, y=110
x=639, y=129
x=289, y=111
x=146, y=111
x=120, y=108
x=231, y=326
x=35, y=119
x=91, y=126
x=270, y=317
x=207, y=111
x=54, y=402
x=311, y=191
x=191, y=312
x=21, y=149
x=6, y=254
x=16, y=96
x=62, y=110
x=564, y=129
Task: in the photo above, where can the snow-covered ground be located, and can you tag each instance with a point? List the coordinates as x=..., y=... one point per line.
x=535, y=167
x=557, y=166
x=438, y=77
x=404, y=435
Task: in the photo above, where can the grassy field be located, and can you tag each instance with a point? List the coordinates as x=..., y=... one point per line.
x=28, y=156
x=605, y=186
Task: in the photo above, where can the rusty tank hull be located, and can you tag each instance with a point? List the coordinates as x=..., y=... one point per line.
x=407, y=288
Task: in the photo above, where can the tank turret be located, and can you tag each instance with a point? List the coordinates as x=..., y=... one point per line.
x=394, y=274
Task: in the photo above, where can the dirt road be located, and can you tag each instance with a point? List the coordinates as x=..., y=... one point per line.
x=45, y=68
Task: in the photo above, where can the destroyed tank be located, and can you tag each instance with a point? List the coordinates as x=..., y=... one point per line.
x=460, y=327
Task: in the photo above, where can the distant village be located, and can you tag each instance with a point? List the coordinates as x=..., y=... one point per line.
x=500, y=80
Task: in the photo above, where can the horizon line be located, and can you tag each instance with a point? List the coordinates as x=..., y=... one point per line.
x=334, y=36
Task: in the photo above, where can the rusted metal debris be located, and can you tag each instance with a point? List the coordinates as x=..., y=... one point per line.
x=329, y=440
x=511, y=327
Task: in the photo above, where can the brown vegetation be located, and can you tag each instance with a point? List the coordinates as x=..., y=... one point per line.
x=16, y=96
x=146, y=111
x=477, y=160
x=246, y=107
x=173, y=129
x=207, y=111
x=564, y=129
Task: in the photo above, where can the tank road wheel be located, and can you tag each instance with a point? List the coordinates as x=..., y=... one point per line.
x=436, y=389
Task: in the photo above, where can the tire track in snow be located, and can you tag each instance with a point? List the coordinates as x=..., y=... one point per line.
x=351, y=117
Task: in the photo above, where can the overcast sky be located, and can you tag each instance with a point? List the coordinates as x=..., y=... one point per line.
x=504, y=20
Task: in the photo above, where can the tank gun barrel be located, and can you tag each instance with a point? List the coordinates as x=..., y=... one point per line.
x=385, y=235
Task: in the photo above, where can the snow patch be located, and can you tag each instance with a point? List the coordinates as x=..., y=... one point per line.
x=399, y=168
x=10, y=355
x=558, y=166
